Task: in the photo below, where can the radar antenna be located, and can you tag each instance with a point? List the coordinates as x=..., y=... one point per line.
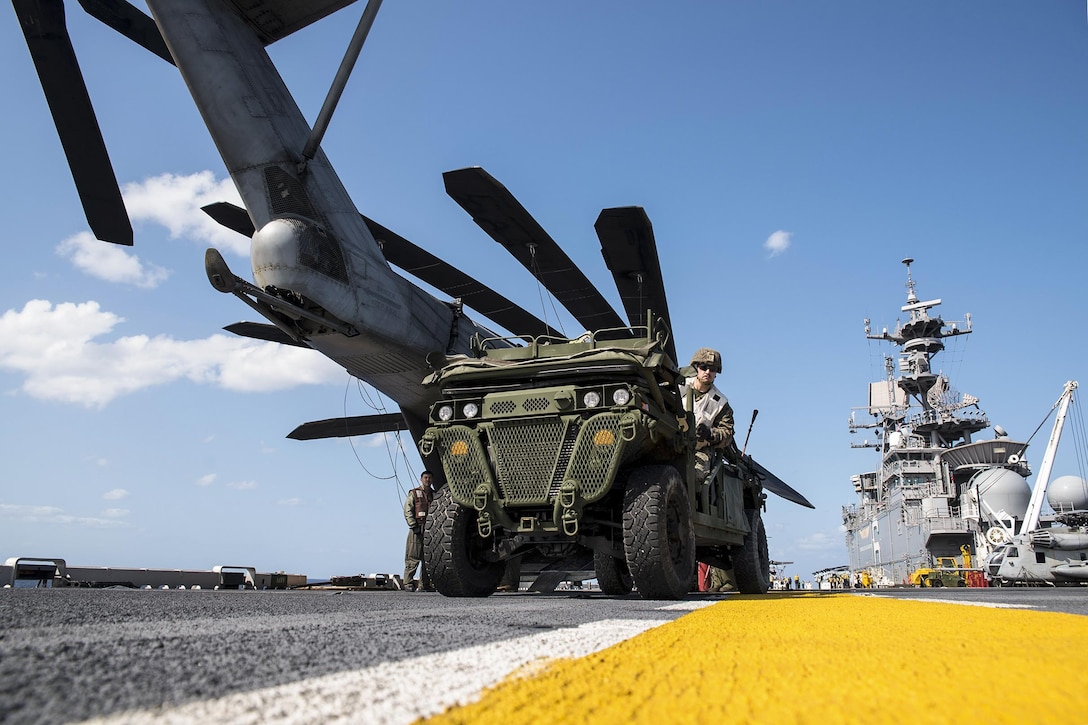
x=911, y=297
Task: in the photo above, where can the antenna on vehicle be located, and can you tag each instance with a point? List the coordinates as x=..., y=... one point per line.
x=755, y=412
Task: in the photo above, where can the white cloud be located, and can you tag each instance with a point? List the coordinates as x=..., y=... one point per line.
x=54, y=515
x=174, y=202
x=778, y=242
x=243, y=485
x=55, y=348
x=265, y=366
x=115, y=513
x=290, y=502
x=12, y=510
x=206, y=480
x=115, y=495
x=110, y=262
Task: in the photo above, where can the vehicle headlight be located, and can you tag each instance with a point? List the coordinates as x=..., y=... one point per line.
x=445, y=412
x=591, y=399
x=471, y=410
x=621, y=396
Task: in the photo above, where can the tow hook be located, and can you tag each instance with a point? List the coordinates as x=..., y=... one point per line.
x=483, y=524
x=570, y=522
x=568, y=497
x=568, y=493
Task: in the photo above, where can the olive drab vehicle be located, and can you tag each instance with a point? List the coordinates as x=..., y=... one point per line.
x=565, y=445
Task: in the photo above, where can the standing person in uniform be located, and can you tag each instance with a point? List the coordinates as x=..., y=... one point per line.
x=415, y=515
x=714, y=424
x=714, y=427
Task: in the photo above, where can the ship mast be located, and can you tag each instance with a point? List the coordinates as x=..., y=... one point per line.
x=920, y=339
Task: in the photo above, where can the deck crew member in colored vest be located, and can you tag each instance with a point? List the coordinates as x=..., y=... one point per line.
x=415, y=515
x=714, y=425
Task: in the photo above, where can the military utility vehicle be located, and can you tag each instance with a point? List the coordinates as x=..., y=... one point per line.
x=564, y=446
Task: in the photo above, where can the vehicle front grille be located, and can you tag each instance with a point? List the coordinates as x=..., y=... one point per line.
x=525, y=455
x=534, y=457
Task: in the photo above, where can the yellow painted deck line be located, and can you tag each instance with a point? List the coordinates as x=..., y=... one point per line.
x=814, y=659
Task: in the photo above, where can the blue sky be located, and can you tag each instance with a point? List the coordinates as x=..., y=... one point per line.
x=789, y=155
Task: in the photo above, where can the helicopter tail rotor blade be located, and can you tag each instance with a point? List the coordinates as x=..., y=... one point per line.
x=505, y=220
x=778, y=487
x=231, y=216
x=130, y=22
x=630, y=252
x=50, y=47
x=423, y=265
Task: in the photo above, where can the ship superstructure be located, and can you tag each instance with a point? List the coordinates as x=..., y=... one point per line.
x=937, y=491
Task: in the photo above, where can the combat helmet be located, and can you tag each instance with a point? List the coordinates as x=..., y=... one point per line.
x=707, y=356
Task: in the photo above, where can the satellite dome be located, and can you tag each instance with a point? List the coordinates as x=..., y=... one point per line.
x=1002, y=490
x=1067, y=493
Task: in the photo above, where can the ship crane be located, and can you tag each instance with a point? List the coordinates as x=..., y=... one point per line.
x=1035, y=504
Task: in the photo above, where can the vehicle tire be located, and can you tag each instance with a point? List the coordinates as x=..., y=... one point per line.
x=752, y=562
x=937, y=583
x=658, y=535
x=453, y=550
x=613, y=576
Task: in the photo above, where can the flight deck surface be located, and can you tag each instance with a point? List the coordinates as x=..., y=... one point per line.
x=395, y=657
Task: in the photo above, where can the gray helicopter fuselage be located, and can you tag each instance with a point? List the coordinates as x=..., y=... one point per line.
x=310, y=240
x=1047, y=555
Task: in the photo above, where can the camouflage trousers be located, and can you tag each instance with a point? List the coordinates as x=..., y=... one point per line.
x=702, y=464
x=703, y=461
x=413, y=558
x=721, y=579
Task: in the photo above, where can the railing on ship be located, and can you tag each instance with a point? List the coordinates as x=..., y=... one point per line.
x=934, y=416
x=907, y=466
x=945, y=524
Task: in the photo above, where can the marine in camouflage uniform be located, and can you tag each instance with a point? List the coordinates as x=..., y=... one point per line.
x=714, y=424
x=714, y=427
x=415, y=515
